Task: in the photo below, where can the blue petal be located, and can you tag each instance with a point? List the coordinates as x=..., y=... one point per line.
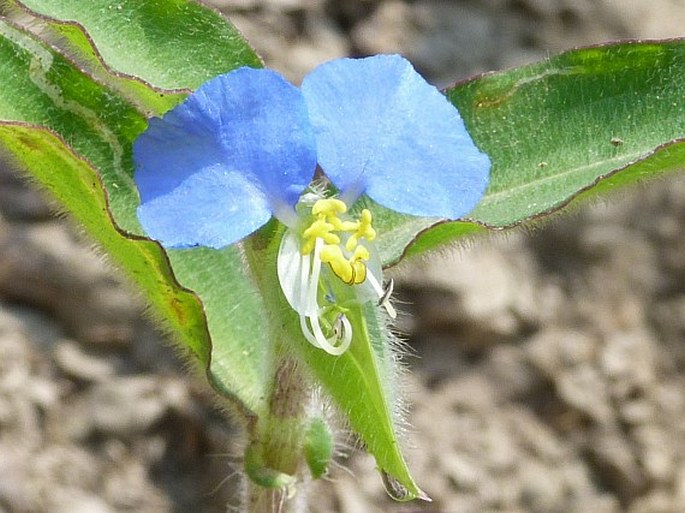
x=382, y=129
x=194, y=213
x=214, y=168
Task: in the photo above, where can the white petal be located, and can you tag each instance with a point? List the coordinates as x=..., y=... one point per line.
x=294, y=273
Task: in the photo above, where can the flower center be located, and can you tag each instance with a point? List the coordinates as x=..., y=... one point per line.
x=328, y=227
x=345, y=245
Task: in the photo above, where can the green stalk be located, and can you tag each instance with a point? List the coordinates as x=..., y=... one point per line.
x=274, y=460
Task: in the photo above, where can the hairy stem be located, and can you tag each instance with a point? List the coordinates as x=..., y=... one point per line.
x=274, y=459
x=275, y=464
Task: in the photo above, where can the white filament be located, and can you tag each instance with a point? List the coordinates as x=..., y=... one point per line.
x=299, y=278
x=310, y=311
x=381, y=294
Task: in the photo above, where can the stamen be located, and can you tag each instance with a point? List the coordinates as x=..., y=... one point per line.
x=351, y=270
x=310, y=323
x=362, y=230
x=361, y=253
x=329, y=207
x=343, y=330
x=336, y=242
x=318, y=229
x=327, y=343
x=312, y=301
x=358, y=272
x=387, y=293
x=381, y=294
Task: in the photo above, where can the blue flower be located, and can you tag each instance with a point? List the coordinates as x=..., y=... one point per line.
x=215, y=168
x=245, y=146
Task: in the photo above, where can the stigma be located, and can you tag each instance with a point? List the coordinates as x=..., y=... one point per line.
x=326, y=267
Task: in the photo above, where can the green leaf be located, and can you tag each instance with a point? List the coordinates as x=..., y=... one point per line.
x=587, y=120
x=43, y=94
x=72, y=40
x=77, y=187
x=202, y=45
x=361, y=382
x=42, y=88
x=234, y=310
x=171, y=44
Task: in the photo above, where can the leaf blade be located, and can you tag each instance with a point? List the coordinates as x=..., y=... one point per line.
x=43, y=93
x=71, y=39
x=558, y=128
x=171, y=44
x=78, y=187
x=595, y=110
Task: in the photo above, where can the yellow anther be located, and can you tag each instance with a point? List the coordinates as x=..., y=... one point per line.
x=350, y=270
x=329, y=207
x=341, y=267
x=361, y=253
x=349, y=226
x=308, y=247
x=365, y=229
x=351, y=243
x=318, y=229
x=327, y=226
x=343, y=226
x=358, y=272
x=323, y=230
x=331, y=252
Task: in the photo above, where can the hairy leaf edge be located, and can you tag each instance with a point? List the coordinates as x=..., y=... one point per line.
x=245, y=412
x=579, y=195
x=96, y=51
x=615, y=43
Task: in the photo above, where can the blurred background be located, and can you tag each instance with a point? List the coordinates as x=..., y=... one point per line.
x=548, y=368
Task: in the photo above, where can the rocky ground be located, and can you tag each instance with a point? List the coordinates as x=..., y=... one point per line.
x=553, y=359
